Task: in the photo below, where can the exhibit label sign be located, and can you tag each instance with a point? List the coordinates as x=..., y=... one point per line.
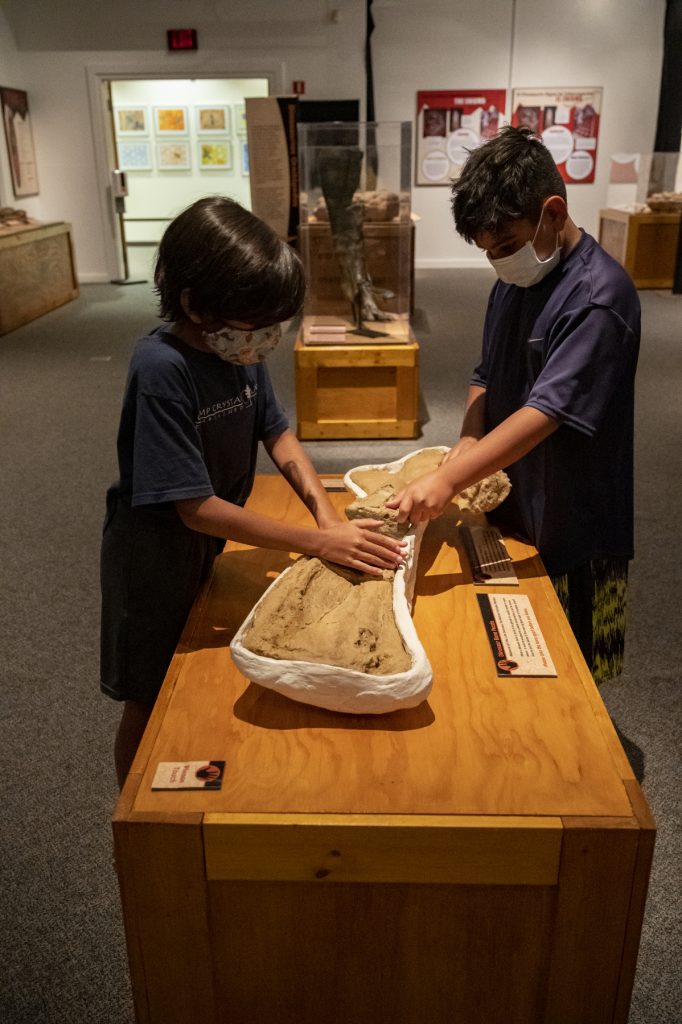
x=567, y=121
x=450, y=124
x=271, y=160
x=516, y=641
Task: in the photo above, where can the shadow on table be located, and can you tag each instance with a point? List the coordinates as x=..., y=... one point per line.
x=269, y=710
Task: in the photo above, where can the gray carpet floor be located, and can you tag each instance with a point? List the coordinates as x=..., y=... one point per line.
x=61, y=379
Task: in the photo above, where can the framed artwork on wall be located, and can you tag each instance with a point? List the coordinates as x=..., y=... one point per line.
x=131, y=120
x=215, y=155
x=173, y=156
x=240, y=118
x=245, y=157
x=19, y=139
x=213, y=120
x=171, y=120
x=134, y=155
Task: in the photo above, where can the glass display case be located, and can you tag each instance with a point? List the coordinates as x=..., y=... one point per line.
x=640, y=226
x=356, y=233
x=645, y=182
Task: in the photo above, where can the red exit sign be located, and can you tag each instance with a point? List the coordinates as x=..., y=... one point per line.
x=182, y=39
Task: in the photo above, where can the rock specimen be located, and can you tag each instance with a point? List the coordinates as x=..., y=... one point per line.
x=486, y=495
x=374, y=507
x=422, y=462
x=339, y=639
x=381, y=486
x=323, y=613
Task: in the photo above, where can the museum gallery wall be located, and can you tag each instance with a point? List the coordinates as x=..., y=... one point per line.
x=429, y=46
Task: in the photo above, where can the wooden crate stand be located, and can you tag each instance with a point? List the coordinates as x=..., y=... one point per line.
x=37, y=272
x=355, y=391
x=645, y=244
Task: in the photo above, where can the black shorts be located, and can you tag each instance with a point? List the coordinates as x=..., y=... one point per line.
x=152, y=567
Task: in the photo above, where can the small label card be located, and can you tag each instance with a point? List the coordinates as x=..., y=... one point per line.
x=333, y=483
x=518, y=646
x=189, y=775
x=490, y=561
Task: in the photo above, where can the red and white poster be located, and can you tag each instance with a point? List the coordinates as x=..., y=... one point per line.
x=567, y=121
x=450, y=124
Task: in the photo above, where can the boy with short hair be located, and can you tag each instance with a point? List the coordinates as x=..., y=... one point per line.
x=552, y=399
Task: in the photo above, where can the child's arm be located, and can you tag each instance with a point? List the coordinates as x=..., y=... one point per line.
x=473, y=424
x=288, y=455
x=427, y=497
x=355, y=544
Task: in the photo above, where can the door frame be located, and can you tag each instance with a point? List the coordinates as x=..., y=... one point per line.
x=100, y=74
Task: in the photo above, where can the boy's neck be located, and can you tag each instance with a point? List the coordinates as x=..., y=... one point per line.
x=571, y=236
x=190, y=333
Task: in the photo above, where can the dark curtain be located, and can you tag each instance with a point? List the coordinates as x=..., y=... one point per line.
x=670, y=103
x=369, y=75
x=372, y=163
x=669, y=124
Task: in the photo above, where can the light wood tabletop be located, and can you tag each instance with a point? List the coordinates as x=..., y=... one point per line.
x=479, y=745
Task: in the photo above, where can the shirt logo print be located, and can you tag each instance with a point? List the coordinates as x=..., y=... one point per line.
x=238, y=403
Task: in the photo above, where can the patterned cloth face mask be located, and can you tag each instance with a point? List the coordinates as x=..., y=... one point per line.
x=245, y=347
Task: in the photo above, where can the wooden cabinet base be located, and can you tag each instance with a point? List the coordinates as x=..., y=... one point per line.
x=644, y=243
x=356, y=391
x=37, y=272
x=481, y=858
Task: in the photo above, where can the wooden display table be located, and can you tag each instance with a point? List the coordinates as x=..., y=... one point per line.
x=37, y=272
x=482, y=858
x=355, y=391
x=644, y=243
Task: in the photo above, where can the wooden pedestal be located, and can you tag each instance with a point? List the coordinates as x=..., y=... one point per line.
x=644, y=243
x=355, y=391
x=481, y=858
x=37, y=272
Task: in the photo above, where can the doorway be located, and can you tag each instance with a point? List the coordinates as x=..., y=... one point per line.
x=176, y=140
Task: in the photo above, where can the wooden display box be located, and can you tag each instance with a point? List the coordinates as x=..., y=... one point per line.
x=644, y=243
x=482, y=858
x=355, y=391
x=389, y=251
x=37, y=272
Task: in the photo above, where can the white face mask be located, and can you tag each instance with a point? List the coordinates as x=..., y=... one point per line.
x=245, y=347
x=523, y=267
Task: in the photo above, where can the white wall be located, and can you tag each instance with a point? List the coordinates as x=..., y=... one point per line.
x=439, y=44
x=12, y=75
x=616, y=44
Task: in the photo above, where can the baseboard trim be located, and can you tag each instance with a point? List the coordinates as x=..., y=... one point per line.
x=453, y=263
x=93, y=277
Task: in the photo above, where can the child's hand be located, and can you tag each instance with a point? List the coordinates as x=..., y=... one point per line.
x=358, y=545
x=422, y=500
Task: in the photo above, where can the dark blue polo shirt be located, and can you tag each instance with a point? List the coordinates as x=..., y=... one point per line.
x=568, y=346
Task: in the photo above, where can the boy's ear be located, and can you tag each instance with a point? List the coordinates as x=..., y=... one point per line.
x=186, y=308
x=557, y=212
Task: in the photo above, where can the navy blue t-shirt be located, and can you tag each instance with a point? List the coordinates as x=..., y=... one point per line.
x=191, y=423
x=568, y=346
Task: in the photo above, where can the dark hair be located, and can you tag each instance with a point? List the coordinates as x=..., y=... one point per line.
x=234, y=265
x=505, y=179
